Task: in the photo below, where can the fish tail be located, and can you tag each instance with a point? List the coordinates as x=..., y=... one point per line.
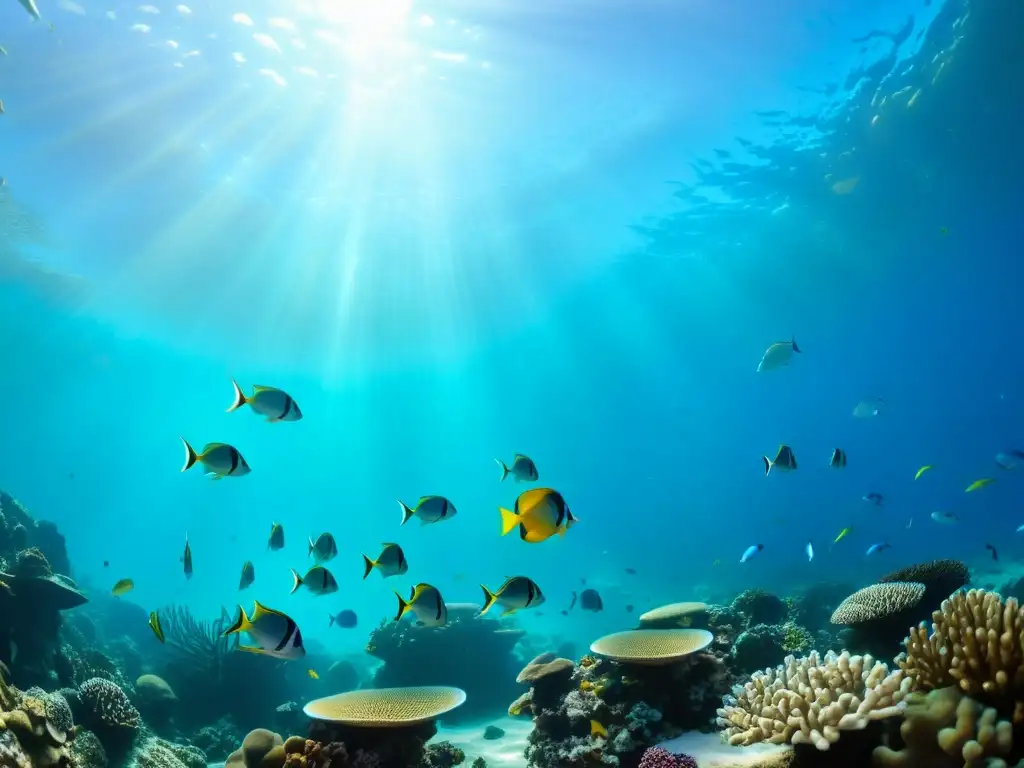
x=509, y=521
x=562, y=530
x=240, y=398
x=767, y=465
x=489, y=599
x=795, y=347
x=296, y=581
x=407, y=513
x=367, y=566
x=241, y=624
x=403, y=606
x=504, y=469
x=331, y=622
x=190, y=455
x=310, y=548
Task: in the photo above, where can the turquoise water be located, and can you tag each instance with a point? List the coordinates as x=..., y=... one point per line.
x=456, y=231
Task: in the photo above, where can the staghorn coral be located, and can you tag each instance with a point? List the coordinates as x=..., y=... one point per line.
x=976, y=642
x=812, y=700
x=945, y=729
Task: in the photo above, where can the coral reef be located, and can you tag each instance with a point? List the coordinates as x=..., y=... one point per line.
x=155, y=700
x=656, y=757
x=812, y=700
x=760, y=607
x=471, y=652
x=34, y=730
x=878, y=615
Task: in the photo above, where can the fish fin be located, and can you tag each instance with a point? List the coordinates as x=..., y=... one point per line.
x=214, y=477
x=489, y=599
x=368, y=566
x=272, y=419
x=240, y=398
x=296, y=581
x=251, y=649
x=403, y=605
x=508, y=612
x=407, y=513
x=190, y=455
x=509, y=520
x=310, y=547
x=795, y=347
x=562, y=530
x=242, y=624
x=504, y=468
x=767, y=465
x=331, y=622
x=524, y=533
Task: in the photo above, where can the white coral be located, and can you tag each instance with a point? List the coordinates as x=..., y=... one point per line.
x=812, y=700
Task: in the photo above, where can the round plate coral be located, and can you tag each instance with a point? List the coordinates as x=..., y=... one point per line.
x=672, y=612
x=386, y=707
x=652, y=646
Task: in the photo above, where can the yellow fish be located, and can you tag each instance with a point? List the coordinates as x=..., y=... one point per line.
x=312, y=673
x=597, y=730
x=843, y=534
x=922, y=470
x=218, y=459
x=979, y=484
x=539, y=514
x=123, y=587
x=273, y=403
x=154, y=624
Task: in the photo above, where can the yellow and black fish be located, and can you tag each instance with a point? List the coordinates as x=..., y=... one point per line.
x=390, y=562
x=517, y=592
x=426, y=604
x=317, y=580
x=218, y=459
x=276, y=541
x=274, y=403
x=429, y=509
x=539, y=514
x=275, y=633
x=838, y=460
x=785, y=461
x=154, y=624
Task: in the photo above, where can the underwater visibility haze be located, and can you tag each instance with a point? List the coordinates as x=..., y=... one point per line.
x=542, y=316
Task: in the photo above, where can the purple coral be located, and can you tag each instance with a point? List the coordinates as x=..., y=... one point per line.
x=656, y=757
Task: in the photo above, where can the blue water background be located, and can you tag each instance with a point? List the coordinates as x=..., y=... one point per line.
x=579, y=251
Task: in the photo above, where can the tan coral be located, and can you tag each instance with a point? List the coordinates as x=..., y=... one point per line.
x=976, y=642
x=652, y=646
x=673, y=614
x=543, y=666
x=387, y=707
x=878, y=601
x=945, y=729
x=812, y=700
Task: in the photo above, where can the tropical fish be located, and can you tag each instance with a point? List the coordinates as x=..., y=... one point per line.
x=154, y=624
x=1008, y=460
x=869, y=407
x=922, y=470
x=573, y=603
x=317, y=580
x=778, y=355
x=345, y=619
x=312, y=673
x=874, y=498
x=325, y=548
x=784, y=460
x=876, y=548
x=631, y=571
x=248, y=574
x=3, y=50
x=946, y=518
x=30, y=6
x=810, y=551
x=598, y=731
x=838, y=460
x=426, y=604
x=523, y=469
x=186, y=559
x=979, y=484
x=274, y=403
x=990, y=548
x=843, y=534
x=750, y=551
x=218, y=459
x=429, y=509
x=276, y=634
x=590, y=600
x=390, y=562
x=539, y=514
x=123, y=587
x=516, y=593
x=276, y=541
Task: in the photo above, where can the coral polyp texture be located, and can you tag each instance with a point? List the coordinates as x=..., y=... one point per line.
x=673, y=615
x=387, y=707
x=812, y=700
x=976, y=642
x=109, y=703
x=652, y=646
x=878, y=601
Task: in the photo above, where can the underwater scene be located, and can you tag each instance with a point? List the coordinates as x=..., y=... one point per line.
x=570, y=384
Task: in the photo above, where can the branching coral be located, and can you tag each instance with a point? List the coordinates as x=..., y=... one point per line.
x=812, y=700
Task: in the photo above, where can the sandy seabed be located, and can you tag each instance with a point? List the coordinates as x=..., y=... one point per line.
x=506, y=752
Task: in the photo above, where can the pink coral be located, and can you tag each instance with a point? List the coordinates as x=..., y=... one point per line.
x=656, y=757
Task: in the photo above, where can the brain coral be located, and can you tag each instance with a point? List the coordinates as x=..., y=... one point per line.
x=109, y=703
x=879, y=601
x=812, y=700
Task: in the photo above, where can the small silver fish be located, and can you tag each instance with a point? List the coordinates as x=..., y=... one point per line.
x=750, y=551
x=325, y=548
x=876, y=548
x=868, y=408
x=523, y=469
x=429, y=509
x=778, y=355
x=784, y=460
x=945, y=518
x=838, y=460
x=317, y=580
x=248, y=575
x=810, y=551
